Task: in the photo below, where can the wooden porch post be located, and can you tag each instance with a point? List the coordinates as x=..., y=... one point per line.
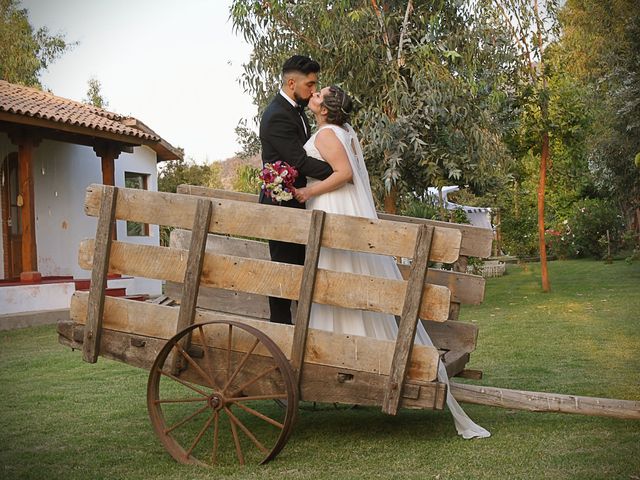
x=27, y=141
x=108, y=153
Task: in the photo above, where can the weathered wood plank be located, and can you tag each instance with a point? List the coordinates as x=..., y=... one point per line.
x=101, y=253
x=323, y=348
x=476, y=241
x=303, y=314
x=192, y=275
x=450, y=335
x=408, y=322
x=231, y=217
x=455, y=361
x=271, y=278
x=465, y=288
x=546, y=402
x=321, y=383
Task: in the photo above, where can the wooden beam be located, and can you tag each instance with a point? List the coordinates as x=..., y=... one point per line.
x=101, y=254
x=408, y=322
x=303, y=314
x=323, y=348
x=476, y=241
x=27, y=210
x=465, y=288
x=264, y=221
x=273, y=279
x=546, y=402
x=192, y=275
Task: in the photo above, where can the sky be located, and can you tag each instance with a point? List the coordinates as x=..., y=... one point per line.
x=173, y=65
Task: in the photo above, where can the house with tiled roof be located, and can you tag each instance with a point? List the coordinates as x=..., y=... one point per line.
x=51, y=149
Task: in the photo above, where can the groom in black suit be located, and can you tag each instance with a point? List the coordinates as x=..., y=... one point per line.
x=284, y=129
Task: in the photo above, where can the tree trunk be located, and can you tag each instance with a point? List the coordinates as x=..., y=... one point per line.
x=546, y=287
x=391, y=200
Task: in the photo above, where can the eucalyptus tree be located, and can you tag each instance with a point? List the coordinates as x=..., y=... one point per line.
x=533, y=26
x=25, y=51
x=428, y=78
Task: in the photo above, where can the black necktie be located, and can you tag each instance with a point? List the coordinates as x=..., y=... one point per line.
x=300, y=109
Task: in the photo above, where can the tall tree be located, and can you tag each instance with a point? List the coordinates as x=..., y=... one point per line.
x=24, y=51
x=601, y=47
x=427, y=78
x=532, y=29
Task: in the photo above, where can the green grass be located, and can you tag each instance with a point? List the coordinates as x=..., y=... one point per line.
x=63, y=419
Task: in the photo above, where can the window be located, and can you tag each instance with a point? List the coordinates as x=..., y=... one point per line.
x=140, y=181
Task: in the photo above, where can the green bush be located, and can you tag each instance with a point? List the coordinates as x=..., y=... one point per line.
x=520, y=235
x=589, y=224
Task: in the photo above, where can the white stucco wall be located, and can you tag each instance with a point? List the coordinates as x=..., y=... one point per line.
x=62, y=171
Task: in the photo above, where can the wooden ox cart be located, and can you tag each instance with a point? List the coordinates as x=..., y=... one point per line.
x=214, y=374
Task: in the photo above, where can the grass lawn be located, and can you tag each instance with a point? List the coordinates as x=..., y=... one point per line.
x=61, y=418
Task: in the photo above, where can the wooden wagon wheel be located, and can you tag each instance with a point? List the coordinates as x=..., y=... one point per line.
x=219, y=407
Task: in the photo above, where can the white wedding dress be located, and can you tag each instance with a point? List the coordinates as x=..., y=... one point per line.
x=356, y=199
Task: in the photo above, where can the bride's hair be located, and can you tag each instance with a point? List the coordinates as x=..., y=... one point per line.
x=338, y=105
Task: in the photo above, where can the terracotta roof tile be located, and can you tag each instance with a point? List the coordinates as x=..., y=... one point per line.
x=35, y=103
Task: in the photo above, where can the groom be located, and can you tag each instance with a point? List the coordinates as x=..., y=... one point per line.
x=284, y=129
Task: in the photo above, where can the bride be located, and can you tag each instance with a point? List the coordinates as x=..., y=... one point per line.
x=347, y=191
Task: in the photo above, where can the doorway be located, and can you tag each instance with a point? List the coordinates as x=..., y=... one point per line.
x=11, y=220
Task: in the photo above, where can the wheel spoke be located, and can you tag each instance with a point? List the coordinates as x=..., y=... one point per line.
x=181, y=400
x=208, y=361
x=254, y=380
x=236, y=440
x=229, y=351
x=199, y=436
x=183, y=382
x=246, y=431
x=216, y=425
x=272, y=396
x=192, y=362
x=242, y=362
x=185, y=420
x=270, y=420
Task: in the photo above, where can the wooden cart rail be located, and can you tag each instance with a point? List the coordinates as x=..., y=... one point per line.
x=232, y=217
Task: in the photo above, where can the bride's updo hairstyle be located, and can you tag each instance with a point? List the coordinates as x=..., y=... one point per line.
x=338, y=105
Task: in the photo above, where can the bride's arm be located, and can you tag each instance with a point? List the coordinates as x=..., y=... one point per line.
x=332, y=150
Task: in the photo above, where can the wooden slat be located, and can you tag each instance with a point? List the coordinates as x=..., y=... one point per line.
x=192, y=275
x=546, y=402
x=101, y=254
x=465, y=288
x=264, y=221
x=323, y=348
x=303, y=314
x=455, y=362
x=271, y=278
x=450, y=335
x=408, y=322
x=322, y=383
x=476, y=241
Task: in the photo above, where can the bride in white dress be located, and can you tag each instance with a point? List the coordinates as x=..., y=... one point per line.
x=347, y=191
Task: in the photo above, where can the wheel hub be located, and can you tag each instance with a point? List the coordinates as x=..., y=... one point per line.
x=216, y=401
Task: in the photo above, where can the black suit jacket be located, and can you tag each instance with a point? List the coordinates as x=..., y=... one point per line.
x=283, y=137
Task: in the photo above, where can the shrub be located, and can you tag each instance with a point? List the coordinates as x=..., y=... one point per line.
x=589, y=223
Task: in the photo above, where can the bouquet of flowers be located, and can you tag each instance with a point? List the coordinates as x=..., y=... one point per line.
x=277, y=180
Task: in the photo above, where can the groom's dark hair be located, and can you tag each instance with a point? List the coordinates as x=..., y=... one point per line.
x=300, y=63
